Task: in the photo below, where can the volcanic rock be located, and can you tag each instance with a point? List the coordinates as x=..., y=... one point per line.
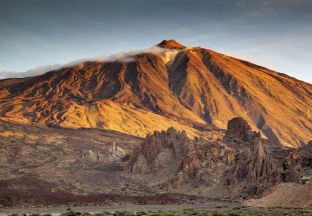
x=159, y=150
x=253, y=172
x=292, y=168
x=242, y=165
x=240, y=129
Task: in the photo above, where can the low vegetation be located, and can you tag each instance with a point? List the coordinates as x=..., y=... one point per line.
x=192, y=212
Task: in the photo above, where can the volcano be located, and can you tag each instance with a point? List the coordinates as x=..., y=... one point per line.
x=193, y=89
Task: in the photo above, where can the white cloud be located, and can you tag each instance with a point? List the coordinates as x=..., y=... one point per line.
x=131, y=55
x=122, y=57
x=4, y=74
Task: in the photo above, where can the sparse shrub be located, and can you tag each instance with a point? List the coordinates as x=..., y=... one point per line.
x=221, y=206
x=35, y=214
x=98, y=214
x=121, y=213
x=141, y=213
x=233, y=214
x=193, y=212
x=154, y=214
x=130, y=214
x=71, y=213
x=107, y=213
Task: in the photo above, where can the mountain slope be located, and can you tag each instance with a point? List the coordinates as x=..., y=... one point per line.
x=190, y=88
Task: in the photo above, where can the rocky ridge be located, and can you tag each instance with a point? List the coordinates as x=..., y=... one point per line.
x=241, y=165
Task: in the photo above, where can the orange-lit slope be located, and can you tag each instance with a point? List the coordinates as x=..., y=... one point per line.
x=175, y=85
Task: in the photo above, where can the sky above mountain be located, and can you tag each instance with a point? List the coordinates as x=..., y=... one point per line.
x=273, y=33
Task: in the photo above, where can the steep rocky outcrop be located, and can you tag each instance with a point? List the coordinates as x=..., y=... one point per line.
x=241, y=165
x=159, y=151
x=238, y=128
x=203, y=168
x=305, y=155
x=170, y=161
x=254, y=171
x=292, y=168
x=256, y=165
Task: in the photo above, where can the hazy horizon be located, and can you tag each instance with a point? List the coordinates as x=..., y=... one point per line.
x=272, y=33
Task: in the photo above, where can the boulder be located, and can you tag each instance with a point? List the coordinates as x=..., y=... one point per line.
x=239, y=128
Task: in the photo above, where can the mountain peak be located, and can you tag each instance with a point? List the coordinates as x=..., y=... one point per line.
x=170, y=44
x=193, y=89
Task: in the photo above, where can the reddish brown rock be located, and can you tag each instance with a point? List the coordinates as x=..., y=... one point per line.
x=240, y=166
x=253, y=172
x=240, y=129
x=159, y=150
x=292, y=168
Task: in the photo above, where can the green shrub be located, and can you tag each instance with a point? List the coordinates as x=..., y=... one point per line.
x=71, y=213
x=107, y=213
x=123, y=213
x=221, y=206
x=35, y=214
x=98, y=214
x=141, y=213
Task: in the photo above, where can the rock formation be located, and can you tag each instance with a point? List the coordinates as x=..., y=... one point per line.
x=305, y=155
x=239, y=128
x=159, y=151
x=242, y=165
x=89, y=161
x=254, y=171
x=292, y=168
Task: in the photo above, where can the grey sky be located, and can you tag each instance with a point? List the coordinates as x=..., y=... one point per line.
x=273, y=33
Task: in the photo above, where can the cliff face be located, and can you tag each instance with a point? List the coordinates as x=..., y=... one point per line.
x=159, y=151
x=237, y=166
x=171, y=85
